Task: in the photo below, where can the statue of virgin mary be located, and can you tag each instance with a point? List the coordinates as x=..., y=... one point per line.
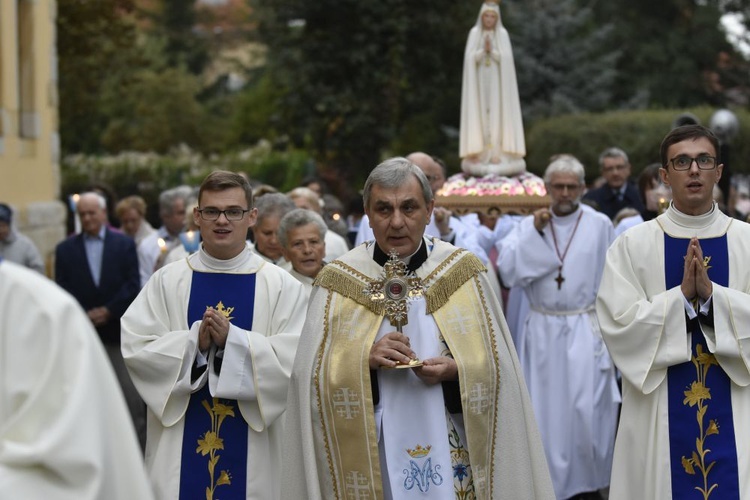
x=492, y=139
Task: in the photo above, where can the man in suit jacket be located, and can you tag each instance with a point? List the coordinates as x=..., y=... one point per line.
x=99, y=267
x=618, y=191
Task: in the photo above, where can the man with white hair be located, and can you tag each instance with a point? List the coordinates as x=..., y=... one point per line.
x=557, y=256
x=406, y=383
x=442, y=224
x=99, y=267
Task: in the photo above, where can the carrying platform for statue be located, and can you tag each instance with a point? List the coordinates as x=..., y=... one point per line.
x=493, y=194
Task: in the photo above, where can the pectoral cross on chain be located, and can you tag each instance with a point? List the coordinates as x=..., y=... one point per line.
x=559, y=278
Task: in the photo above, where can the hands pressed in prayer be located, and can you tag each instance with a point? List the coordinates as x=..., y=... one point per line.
x=391, y=350
x=541, y=218
x=436, y=370
x=214, y=327
x=695, y=280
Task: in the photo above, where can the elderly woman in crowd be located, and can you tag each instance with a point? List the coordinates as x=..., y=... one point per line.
x=131, y=211
x=302, y=237
x=271, y=208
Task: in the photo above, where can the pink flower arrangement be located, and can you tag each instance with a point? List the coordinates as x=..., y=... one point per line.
x=493, y=185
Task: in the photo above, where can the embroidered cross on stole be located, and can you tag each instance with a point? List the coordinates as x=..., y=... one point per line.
x=214, y=445
x=703, y=451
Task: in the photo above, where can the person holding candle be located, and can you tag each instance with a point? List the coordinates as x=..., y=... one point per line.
x=153, y=249
x=190, y=239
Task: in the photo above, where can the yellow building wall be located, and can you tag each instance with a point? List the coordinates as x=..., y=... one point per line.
x=29, y=139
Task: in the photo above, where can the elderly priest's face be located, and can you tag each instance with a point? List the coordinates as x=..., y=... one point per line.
x=398, y=216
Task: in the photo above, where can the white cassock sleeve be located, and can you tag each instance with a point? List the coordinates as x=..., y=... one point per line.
x=160, y=348
x=643, y=324
x=65, y=431
x=525, y=255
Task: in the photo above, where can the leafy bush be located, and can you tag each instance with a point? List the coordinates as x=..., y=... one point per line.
x=638, y=133
x=148, y=174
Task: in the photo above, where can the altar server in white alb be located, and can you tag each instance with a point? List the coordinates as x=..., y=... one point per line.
x=674, y=307
x=460, y=425
x=65, y=431
x=557, y=256
x=209, y=343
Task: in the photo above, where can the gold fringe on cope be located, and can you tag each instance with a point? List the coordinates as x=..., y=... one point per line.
x=350, y=283
x=438, y=293
x=340, y=281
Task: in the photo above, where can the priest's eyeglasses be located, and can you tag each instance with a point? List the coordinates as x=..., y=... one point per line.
x=230, y=213
x=684, y=162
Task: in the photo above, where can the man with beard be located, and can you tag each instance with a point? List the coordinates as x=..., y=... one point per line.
x=557, y=256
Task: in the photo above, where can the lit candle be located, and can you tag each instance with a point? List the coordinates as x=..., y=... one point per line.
x=663, y=205
x=162, y=245
x=73, y=202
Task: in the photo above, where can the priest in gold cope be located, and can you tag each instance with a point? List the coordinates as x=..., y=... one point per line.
x=557, y=255
x=459, y=426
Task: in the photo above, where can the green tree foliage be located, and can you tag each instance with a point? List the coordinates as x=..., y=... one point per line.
x=675, y=52
x=156, y=112
x=96, y=47
x=117, y=89
x=561, y=60
x=175, y=21
x=354, y=73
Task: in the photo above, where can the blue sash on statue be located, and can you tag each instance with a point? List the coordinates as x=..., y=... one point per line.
x=214, y=441
x=702, y=447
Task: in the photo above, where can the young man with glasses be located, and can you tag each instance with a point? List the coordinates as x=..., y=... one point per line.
x=209, y=343
x=618, y=191
x=674, y=308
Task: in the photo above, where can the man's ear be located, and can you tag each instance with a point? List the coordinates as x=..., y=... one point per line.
x=664, y=176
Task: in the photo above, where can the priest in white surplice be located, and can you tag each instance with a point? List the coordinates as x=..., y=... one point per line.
x=210, y=343
x=674, y=311
x=65, y=432
x=557, y=256
x=363, y=421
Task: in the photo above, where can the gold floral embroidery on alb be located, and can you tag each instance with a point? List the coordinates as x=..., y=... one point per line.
x=211, y=443
x=698, y=395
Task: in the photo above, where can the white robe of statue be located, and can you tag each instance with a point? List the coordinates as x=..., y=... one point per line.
x=491, y=138
x=568, y=371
